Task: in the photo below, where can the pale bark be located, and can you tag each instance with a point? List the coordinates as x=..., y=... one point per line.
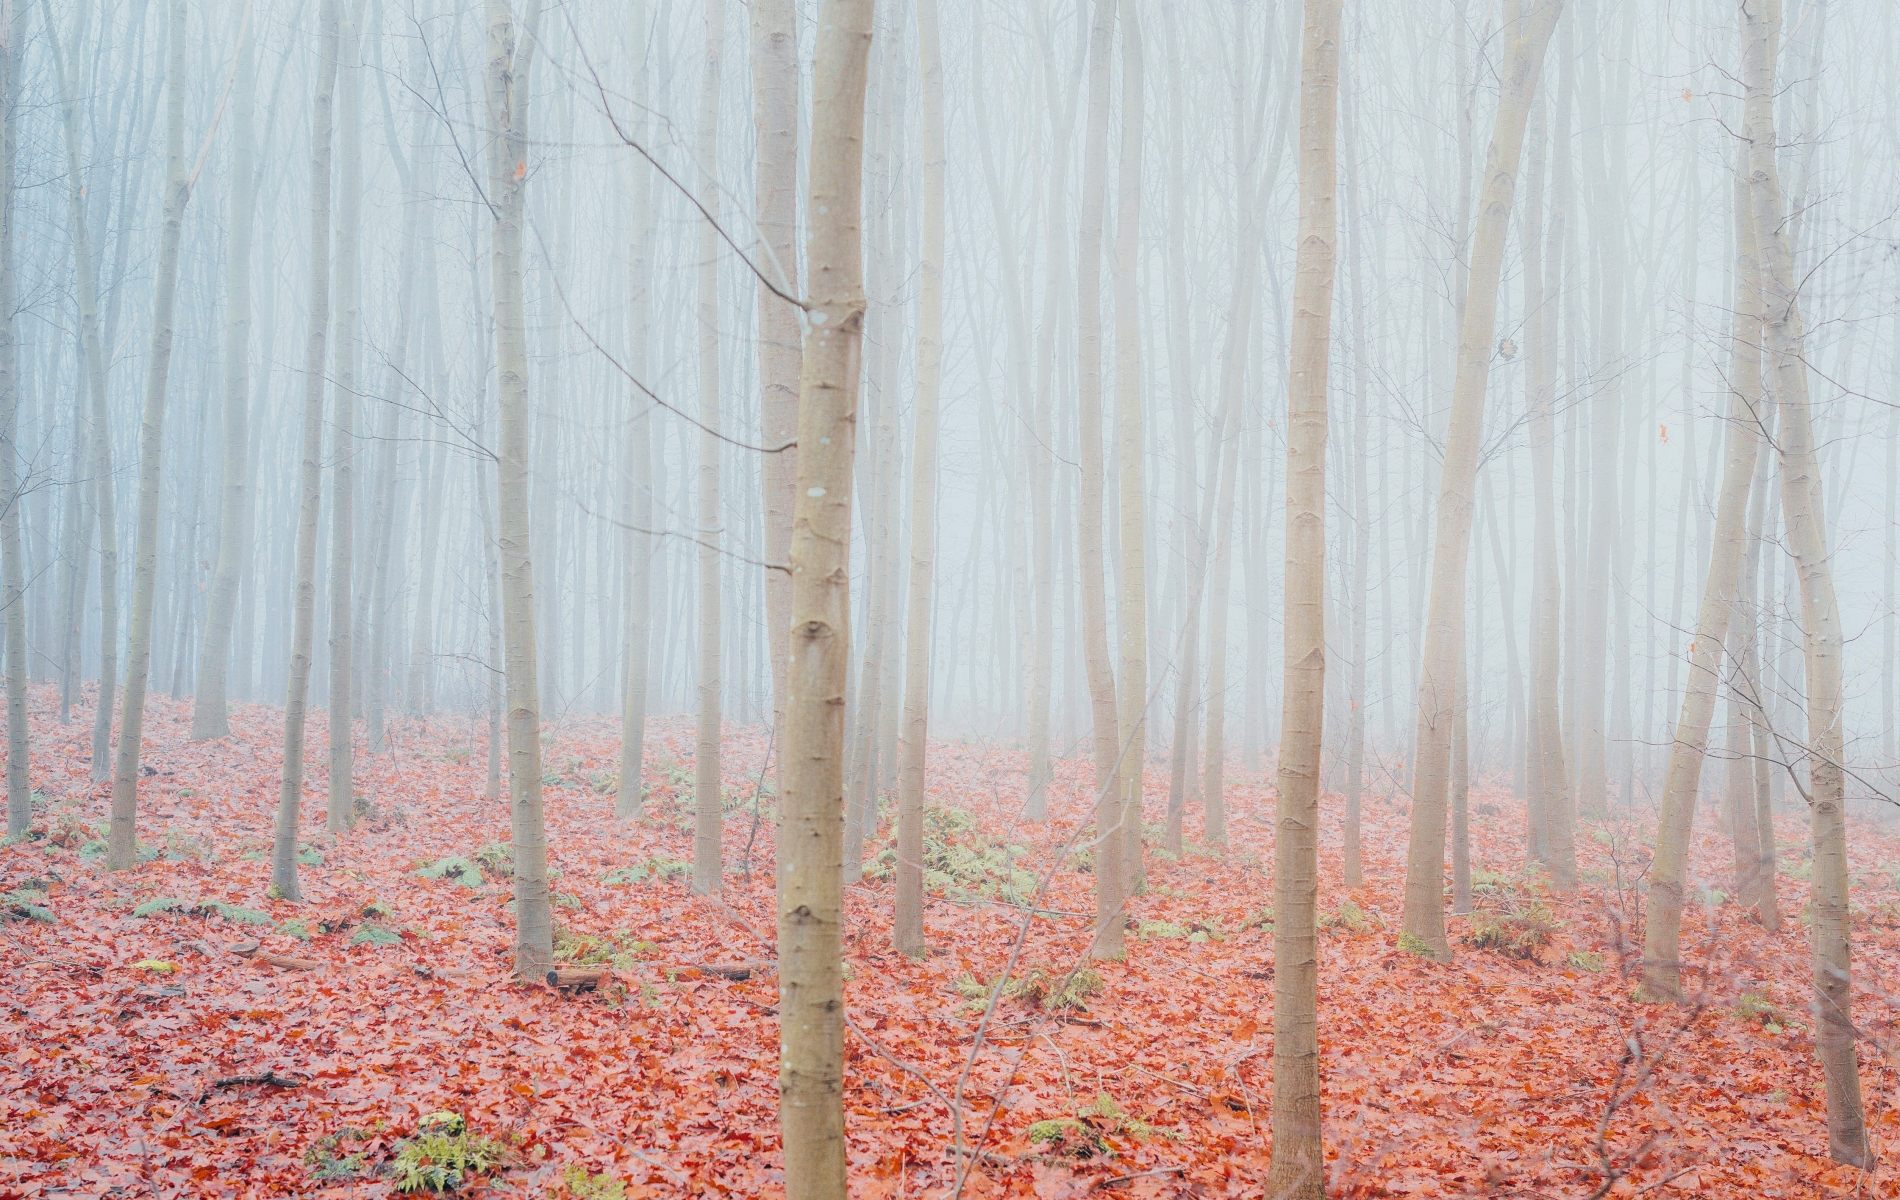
x=19, y=789
x=339, y=812
x=1132, y=688
x=1820, y=610
x=310, y=494
x=810, y=891
x=1424, y=915
x=1662, y=930
x=1298, y=1170
x=208, y=715
x=708, y=817
x=638, y=505
x=907, y=927
x=775, y=187
x=1760, y=818
x=1089, y=509
x=1061, y=105
x=122, y=842
x=1353, y=867
x=506, y=85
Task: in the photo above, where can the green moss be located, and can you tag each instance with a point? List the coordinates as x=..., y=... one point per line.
x=457, y=868
x=583, y=1186
x=1411, y=943
x=1584, y=960
x=230, y=912
x=152, y=908
x=1348, y=918
x=1150, y=930
x=496, y=860
x=1068, y=1137
x=24, y=904
x=374, y=935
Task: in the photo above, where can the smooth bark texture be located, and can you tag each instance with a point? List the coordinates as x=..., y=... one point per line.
x=310, y=477
x=708, y=816
x=1423, y=924
x=1133, y=685
x=907, y=928
x=810, y=891
x=121, y=839
x=339, y=810
x=1668, y=880
x=1806, y=528
x=775, y=202
x=637, y=509
x=507, y=88
x=1109, y=838
x=1298, y=1170
x=12, y=462
x=208, y=714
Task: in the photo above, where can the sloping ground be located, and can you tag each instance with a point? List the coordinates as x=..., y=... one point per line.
x=145, y=1058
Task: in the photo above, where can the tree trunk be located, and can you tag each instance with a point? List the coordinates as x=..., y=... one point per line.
x=907, y=927
x=810, y=916
x=1298, y=1170
x=707, y=816
x=638, y=507
x=208, y=715
x=1089, y=531
x=1820, y=611
x=303, y=618
x=122, y=841
x=19, y=788
x=508, y=90
x=1423, y=924
x=1133, y=686
x=1662, y=978
x=1361, y=506
x=340, y=810
x=775, y=124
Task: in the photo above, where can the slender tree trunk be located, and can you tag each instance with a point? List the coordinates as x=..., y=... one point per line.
x=1361, y=503
x=19, y=788
x=340, y=810
x=508, y=90
x=638, y=485
x=1423, y=924
x=208, y=716
x=1133, y=686
x=1109, y=881
x=1662, y=978
x=1820, y=610
x=122, y=843
x=810, y=915
x=707, y=815
x=907, y=928
x=310, y=499
x=1761, y=753
x=775, y=124
x=1298, y=1171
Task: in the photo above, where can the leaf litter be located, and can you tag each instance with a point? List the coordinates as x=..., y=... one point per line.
x=145, y=1057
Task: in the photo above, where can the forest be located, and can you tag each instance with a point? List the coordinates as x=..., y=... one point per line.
x=609, y=599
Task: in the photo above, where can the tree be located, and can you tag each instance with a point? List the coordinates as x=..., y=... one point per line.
x=638, y=504
x=775, y=192
x=506, y=86
x=19, y=787
x=1802, y=516
x=1662, y=928
x=1299, y=1160
x=1423, y=924
x=310, y=477
x=121, y=838
x=707, y=799
x=209, y=718
x=340, y=811
x=1133, y=685
x=810, y=889
x=907, y=930
x=1101, y=676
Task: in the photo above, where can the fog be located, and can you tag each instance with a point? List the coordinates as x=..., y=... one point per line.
x=1067, y=532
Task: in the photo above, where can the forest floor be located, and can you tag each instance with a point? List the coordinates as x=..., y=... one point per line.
x=142, y=1057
